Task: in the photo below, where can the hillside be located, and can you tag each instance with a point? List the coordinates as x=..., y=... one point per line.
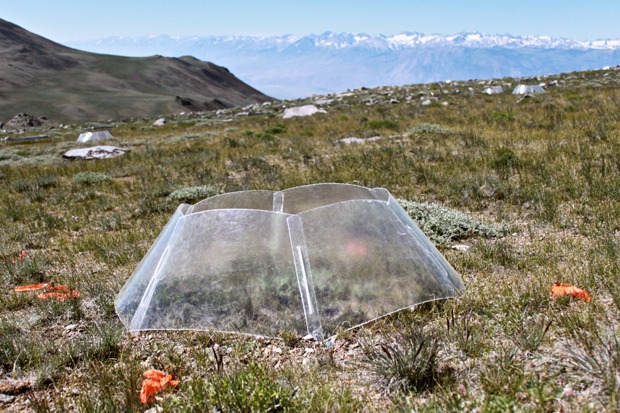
x=543, y=173
x=44, y=78
x=299, y=66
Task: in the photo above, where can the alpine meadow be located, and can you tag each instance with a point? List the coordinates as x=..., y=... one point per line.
x=516, y=192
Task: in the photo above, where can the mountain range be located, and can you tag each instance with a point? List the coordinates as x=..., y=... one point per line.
x=298, y=66
x=47, y=79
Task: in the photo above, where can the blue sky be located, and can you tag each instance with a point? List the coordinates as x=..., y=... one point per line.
x=70, y=20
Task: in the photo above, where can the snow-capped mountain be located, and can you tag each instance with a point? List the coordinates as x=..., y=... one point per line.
x=297, y=66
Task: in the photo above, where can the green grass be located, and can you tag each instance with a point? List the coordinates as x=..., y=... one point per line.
x=533, y=189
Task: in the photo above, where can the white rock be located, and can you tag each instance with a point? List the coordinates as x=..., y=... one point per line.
x=160, y=122
x=323, y=101
x=307, y=110
x=96, y=152
x=5, y=398
x=359, y=140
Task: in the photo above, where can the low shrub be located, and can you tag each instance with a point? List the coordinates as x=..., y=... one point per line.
x=430, y=128
x=91, y=178
x=444, y=225
x=193, y=193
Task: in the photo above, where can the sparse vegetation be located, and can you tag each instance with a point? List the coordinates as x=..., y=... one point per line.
x=91, y=178
x=409, y=363
x=383, y=124
x=532, y=189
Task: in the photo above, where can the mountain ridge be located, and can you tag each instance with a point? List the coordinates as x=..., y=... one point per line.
x=64, y=84
x=399, y=41
x=293, y=66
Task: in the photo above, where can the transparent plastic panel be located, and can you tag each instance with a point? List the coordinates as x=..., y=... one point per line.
x=366, y=263
x=453, y=276
x=262, y=200
x=304, y=277
x=305, y=198
x=129, y=297
x=240, y=263
x=229, y=270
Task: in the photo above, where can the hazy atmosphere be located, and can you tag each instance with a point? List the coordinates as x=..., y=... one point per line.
x=72, y=20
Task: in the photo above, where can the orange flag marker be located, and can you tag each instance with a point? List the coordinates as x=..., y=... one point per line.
x=61, y=292
x=59, y=296
x=154, y=382
x=563, y=289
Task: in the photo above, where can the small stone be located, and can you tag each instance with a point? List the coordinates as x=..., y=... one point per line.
x=14, y=387
x=5, y=398
x=307, y=110
x=71, y=327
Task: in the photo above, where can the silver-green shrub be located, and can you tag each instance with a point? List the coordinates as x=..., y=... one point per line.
x=193, y=193
x=444, y=226
x=429, y=128
x=91, y=178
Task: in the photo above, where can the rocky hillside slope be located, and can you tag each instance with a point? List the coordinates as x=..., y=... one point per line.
x=47, y=79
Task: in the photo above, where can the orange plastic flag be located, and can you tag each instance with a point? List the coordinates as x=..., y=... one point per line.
x=32, y=287
x=61, y=292
x=154, y=382
x=563, y=289
x=22, y=257
x=59, y=296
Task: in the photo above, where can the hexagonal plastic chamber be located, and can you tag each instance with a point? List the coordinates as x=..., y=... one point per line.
x=310, y=259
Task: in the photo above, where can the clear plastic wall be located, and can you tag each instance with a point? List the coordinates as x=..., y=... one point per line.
x=311, y=259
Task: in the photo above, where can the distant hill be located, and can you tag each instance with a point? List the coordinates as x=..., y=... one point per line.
x=298, y=66
x=44, y=78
